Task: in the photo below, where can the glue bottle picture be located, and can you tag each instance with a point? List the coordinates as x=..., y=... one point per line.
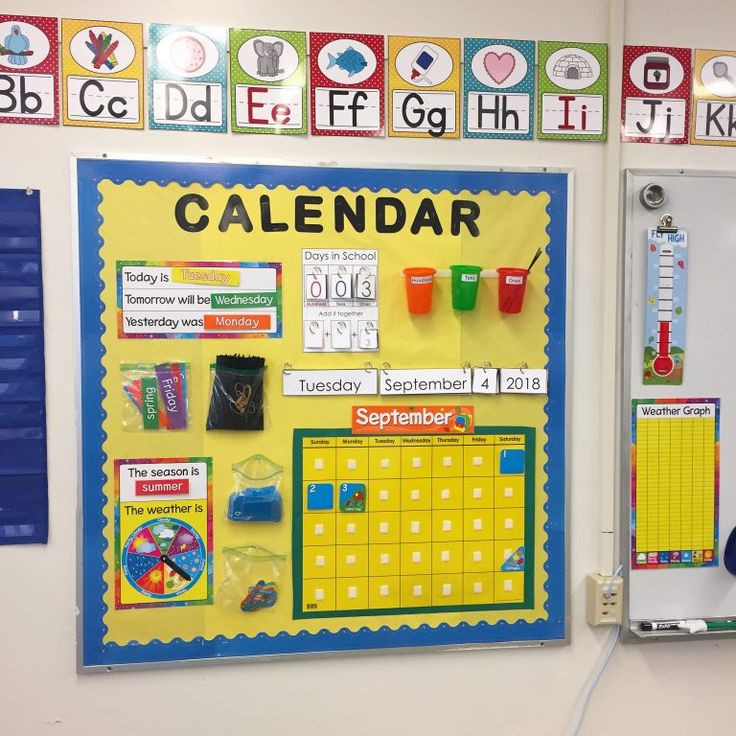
x=422, y=62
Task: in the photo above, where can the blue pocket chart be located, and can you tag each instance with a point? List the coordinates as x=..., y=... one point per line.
x=23, y=478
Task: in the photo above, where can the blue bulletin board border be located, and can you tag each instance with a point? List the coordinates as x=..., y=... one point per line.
x=94, y=653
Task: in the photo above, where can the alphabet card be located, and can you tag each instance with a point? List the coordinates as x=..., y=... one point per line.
x=187, y=78
x=268, y=78
x=714, y=98
x=424, y=87
x=29, y=69
x=573, y=87
x=499, y=89
x=346, y=84
x=102, y=73
x=655, y=98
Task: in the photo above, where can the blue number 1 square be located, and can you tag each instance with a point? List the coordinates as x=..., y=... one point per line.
x=511, y=462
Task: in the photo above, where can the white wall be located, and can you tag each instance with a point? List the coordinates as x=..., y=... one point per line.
x=673, y=689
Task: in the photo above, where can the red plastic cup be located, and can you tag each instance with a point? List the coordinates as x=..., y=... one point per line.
x=419, y=289
x=511, y=287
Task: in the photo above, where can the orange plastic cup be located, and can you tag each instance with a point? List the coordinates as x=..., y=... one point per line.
x=419, y=288
x=511, y=288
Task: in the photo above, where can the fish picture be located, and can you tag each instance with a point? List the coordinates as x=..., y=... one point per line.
x=350, y=61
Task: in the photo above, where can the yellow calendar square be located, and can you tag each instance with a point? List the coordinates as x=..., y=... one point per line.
x=351, y=463
x=478, y=461
x=319, y=464
x=416, y=559
x=352, y=528
x=508, y=587
x=351, y=560
x=478, y=524
x=478, y=588
x=478, y=493
x=384, y=559
x=505, y=552
x=416, y=462
x=509, y=491
x=447, y=557
x=447, y=590
x=447, y=461
x=319, y=595
x=319, y=529
x=508, y=523
x=384, y=592
x=478, y=556
x=352, y=594
x=447, y=526
x=384, y=527
x=416, y=494
x=384, y=462
x=416, y=526
x=447, y=493
x=384, y=494
x=319, y=562
x=416, y=590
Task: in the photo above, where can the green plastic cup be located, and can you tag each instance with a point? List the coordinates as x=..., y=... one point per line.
x=465, y=281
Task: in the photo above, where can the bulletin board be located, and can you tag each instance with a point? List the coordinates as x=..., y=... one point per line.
x=419, y=504
x=678, y=509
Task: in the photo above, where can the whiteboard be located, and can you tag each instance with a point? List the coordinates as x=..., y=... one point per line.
x=703, y=204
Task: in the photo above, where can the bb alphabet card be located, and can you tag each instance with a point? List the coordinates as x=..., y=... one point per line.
x=655, y=99
x=268, y=77
x=573, y=91
x=29, y=69
x=498, y=89
x=347, y=84
x=424, y=87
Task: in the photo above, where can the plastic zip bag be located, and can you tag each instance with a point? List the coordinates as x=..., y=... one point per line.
x=251, y=580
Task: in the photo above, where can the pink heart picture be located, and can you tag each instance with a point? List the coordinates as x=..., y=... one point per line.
x=499, y=66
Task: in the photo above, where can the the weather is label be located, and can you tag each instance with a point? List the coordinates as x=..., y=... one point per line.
x=203, y=299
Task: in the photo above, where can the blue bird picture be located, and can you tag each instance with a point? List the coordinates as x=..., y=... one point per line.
x=16, y=47
x=350, y=61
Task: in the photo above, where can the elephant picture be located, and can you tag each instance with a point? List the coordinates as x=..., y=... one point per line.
x=269, y=55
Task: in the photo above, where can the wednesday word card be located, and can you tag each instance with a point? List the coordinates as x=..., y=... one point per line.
x=573, y=90
x=424, y=87
x=187, y=78
x=268, y=77
x=29, y=70
x=498, y=89
x=102, y=65
x=714, y=98
x=655, y=104
x=674, y=482
x=346, y=84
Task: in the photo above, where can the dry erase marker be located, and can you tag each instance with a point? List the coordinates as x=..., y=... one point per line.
x=692, y=626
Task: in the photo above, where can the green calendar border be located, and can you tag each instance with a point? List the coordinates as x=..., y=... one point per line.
x=297, y=530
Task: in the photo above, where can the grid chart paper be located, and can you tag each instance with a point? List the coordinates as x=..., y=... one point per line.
x=396, y=524
x=674, y=483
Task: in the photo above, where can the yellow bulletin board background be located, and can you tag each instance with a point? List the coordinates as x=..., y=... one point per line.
x=126, y=212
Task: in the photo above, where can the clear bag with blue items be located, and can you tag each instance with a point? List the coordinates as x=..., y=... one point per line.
x=251, y=578
x=256, y=496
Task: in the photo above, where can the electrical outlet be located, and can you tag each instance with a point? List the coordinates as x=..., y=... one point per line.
x=604, y=600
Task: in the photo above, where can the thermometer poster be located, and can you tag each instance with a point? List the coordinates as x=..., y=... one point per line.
x=664, y=331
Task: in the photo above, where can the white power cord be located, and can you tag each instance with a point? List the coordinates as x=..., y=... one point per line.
x=598, y=672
